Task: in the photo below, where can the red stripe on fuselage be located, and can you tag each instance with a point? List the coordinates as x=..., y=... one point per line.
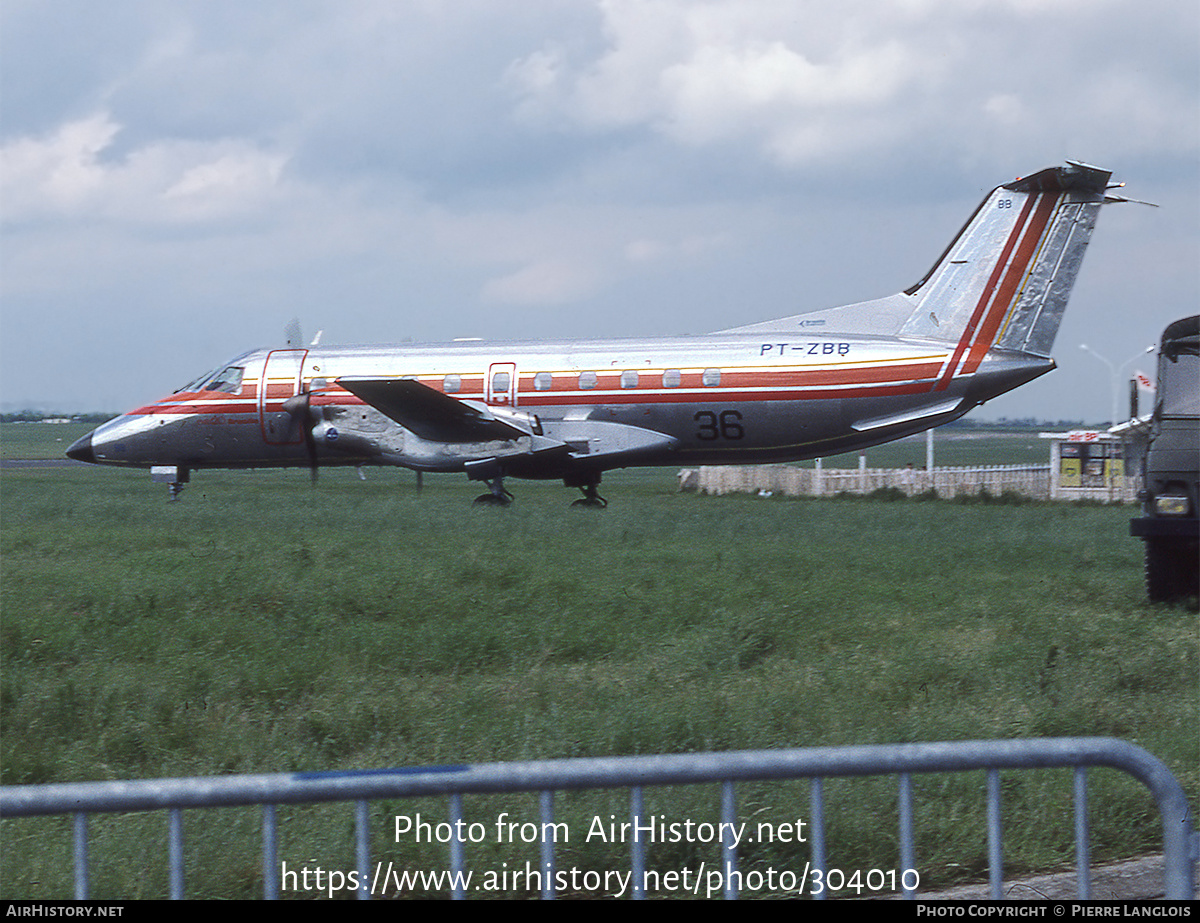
x=707, y=396
x=747, y=386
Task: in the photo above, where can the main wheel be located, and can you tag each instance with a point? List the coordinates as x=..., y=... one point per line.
x=1172, y=570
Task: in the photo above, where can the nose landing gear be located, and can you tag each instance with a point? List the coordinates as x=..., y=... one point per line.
x=174, y=477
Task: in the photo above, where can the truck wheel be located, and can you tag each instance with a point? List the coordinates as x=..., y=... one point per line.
x=1189, y=564
x=1170, y=575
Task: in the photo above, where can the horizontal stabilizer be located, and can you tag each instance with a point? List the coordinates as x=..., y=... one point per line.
x=428, y=413
x=910, y=416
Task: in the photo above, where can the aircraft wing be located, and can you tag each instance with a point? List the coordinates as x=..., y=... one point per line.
x=428, y=413
x=437, y=417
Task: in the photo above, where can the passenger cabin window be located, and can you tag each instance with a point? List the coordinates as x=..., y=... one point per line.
x=452, y=383
x=629, y=378
x=500, y=382
x=711, y=378
x=542, y=381
x=587, y=381
x=671, y=378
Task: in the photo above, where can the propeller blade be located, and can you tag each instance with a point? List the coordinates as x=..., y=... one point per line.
x=310, y=443
x=299, y=408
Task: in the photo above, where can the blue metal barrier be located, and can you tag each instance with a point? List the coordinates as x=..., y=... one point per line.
x=635, y=773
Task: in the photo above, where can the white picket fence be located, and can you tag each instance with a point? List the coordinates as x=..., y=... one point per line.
x=1032, y=481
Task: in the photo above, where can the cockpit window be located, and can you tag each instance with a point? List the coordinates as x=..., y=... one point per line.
x=196, y=384
x=229, y=380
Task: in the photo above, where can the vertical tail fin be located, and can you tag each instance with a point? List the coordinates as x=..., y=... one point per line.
x=1005, y=279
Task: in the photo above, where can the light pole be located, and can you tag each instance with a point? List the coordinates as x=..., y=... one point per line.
x=1116, y=373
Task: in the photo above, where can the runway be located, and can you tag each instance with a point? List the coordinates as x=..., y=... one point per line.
x=41, y=463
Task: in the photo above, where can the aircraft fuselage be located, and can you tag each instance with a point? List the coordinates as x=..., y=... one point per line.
x=708, y=399
x=981, y=322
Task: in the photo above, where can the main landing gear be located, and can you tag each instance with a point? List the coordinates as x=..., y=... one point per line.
x=591, y=497
x=498, y=495
x=493, y=475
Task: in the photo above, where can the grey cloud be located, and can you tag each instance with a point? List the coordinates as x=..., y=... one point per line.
x=407, y=169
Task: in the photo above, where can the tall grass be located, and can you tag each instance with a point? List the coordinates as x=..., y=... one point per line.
x=261, y=626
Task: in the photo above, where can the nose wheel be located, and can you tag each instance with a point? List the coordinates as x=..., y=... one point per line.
x=174, y=476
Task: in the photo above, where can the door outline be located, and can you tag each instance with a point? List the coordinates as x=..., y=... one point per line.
x=504, y=397
x=284, y=367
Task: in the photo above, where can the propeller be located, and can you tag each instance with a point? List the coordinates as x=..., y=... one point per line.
x=299, y=408
x=295, y=338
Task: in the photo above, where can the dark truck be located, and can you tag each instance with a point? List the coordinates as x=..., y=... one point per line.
x=1169, y=526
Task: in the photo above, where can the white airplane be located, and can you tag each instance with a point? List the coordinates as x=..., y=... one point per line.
x=981, y=322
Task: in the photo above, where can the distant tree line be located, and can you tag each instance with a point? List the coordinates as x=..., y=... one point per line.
x=1021, y=423
x=37, y=416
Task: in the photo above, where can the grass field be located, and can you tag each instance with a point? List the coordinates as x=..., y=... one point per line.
x=39, y=440
x=262, y=626
x=952, y=446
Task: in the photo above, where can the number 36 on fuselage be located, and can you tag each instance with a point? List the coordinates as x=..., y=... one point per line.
x=981, y=322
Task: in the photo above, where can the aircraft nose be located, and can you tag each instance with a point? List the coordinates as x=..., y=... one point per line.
x=81, y=450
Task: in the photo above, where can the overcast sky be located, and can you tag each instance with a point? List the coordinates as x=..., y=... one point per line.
x=181, y=179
